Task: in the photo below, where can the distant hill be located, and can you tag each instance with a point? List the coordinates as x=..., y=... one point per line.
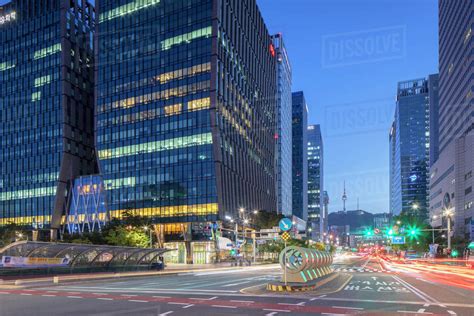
x=356, y=219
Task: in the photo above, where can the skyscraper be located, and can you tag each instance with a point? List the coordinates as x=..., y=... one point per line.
x=410, y=148
x=186, y=111
x=451, y=174
x=46, y=108
x=284, y=130
x=315, y=181
x=300, y=155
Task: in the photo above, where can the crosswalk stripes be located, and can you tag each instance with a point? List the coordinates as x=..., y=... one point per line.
x=361, y=270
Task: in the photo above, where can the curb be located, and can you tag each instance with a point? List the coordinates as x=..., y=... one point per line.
x=300, y=287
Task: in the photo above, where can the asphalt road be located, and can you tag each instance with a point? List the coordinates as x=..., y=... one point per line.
x=368, y=288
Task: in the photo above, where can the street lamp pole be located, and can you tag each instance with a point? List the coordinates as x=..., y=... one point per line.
x=449, y=231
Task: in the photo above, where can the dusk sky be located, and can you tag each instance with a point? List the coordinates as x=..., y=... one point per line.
x=351, y=92
x=347, y=56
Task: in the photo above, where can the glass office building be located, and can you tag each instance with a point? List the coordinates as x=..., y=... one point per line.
x=284, y=130
x=410, y=148
x=46, y=107
x=300, y=155
x=185, y=113
x=315, y=182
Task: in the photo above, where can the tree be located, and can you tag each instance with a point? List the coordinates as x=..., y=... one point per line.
x=264, y=219
x=127, y=236
x=10, y=233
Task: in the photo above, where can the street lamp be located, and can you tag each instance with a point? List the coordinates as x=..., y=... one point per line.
x=448, y=212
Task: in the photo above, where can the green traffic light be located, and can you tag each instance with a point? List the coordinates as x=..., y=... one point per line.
x=454, y=253
x=390, y=232
x=369, y=233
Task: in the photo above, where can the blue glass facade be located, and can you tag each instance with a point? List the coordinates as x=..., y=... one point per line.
x=300, y=155
x=46, y=108
x=315, y=181
x=183, y=115
x=410, y=149
x=284, y=130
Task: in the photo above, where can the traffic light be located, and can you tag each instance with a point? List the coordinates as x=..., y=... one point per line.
x=390, y=232
x=368, y=233
x=413, y=232
x=454, y=253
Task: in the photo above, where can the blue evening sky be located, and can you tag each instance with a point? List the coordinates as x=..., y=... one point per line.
x=347, y=56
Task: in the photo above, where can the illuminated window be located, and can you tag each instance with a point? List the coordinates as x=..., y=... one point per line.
x=167, y=144
x=126, y=9
x=41, y=81
x=186, y=38
x=173, y=109
x=36, y=96
x=119, y=183
x=199, y=104
x=47, y=51
x=25, y=194
x=6, y=65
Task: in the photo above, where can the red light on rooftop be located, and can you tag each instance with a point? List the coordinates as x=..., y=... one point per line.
x=272, y=50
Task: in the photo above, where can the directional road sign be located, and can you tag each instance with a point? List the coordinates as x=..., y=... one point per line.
x=285, y=224
x=398, y=240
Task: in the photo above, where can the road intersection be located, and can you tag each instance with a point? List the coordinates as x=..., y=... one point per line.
x=366, y=286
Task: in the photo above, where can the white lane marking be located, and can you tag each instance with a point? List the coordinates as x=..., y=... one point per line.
x=188, y=306
x=426, y=281
x=234, y=284
x=177, y=303
x=451, y=313
x=203, y=299
x=128, y=295
x=105, y=298
x=426, y=305
x=138, y=301
x=51, y=291
x=26, y=294
x=420, y=294
x=412, y=312
x=241, y=301
x=347, y=307
x=332, y=314
x=164, y=314
x=48, y=295
x=293, y=304
x=223, y=306
x=74, y=296
x=276, y=310
x=99, y=293
x=271, y=314
x=158, y=296
x=322, y=296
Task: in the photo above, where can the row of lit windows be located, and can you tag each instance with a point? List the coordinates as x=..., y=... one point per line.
x=125, y=9
x=167, y=144
x=158, y=95
x=186, y=38
x=6, y=65
x=47, y=51
x=25, y=194
x=170, y=211
x=164, y=78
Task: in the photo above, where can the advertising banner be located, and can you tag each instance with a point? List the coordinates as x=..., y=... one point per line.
x=32, y=262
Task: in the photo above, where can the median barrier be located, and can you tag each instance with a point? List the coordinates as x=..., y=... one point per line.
x=303, y=269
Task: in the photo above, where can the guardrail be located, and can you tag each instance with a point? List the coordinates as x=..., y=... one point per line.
x=302, y=265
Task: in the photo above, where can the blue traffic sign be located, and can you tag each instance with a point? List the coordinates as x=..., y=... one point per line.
x=398, y=240
x=285, y=224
